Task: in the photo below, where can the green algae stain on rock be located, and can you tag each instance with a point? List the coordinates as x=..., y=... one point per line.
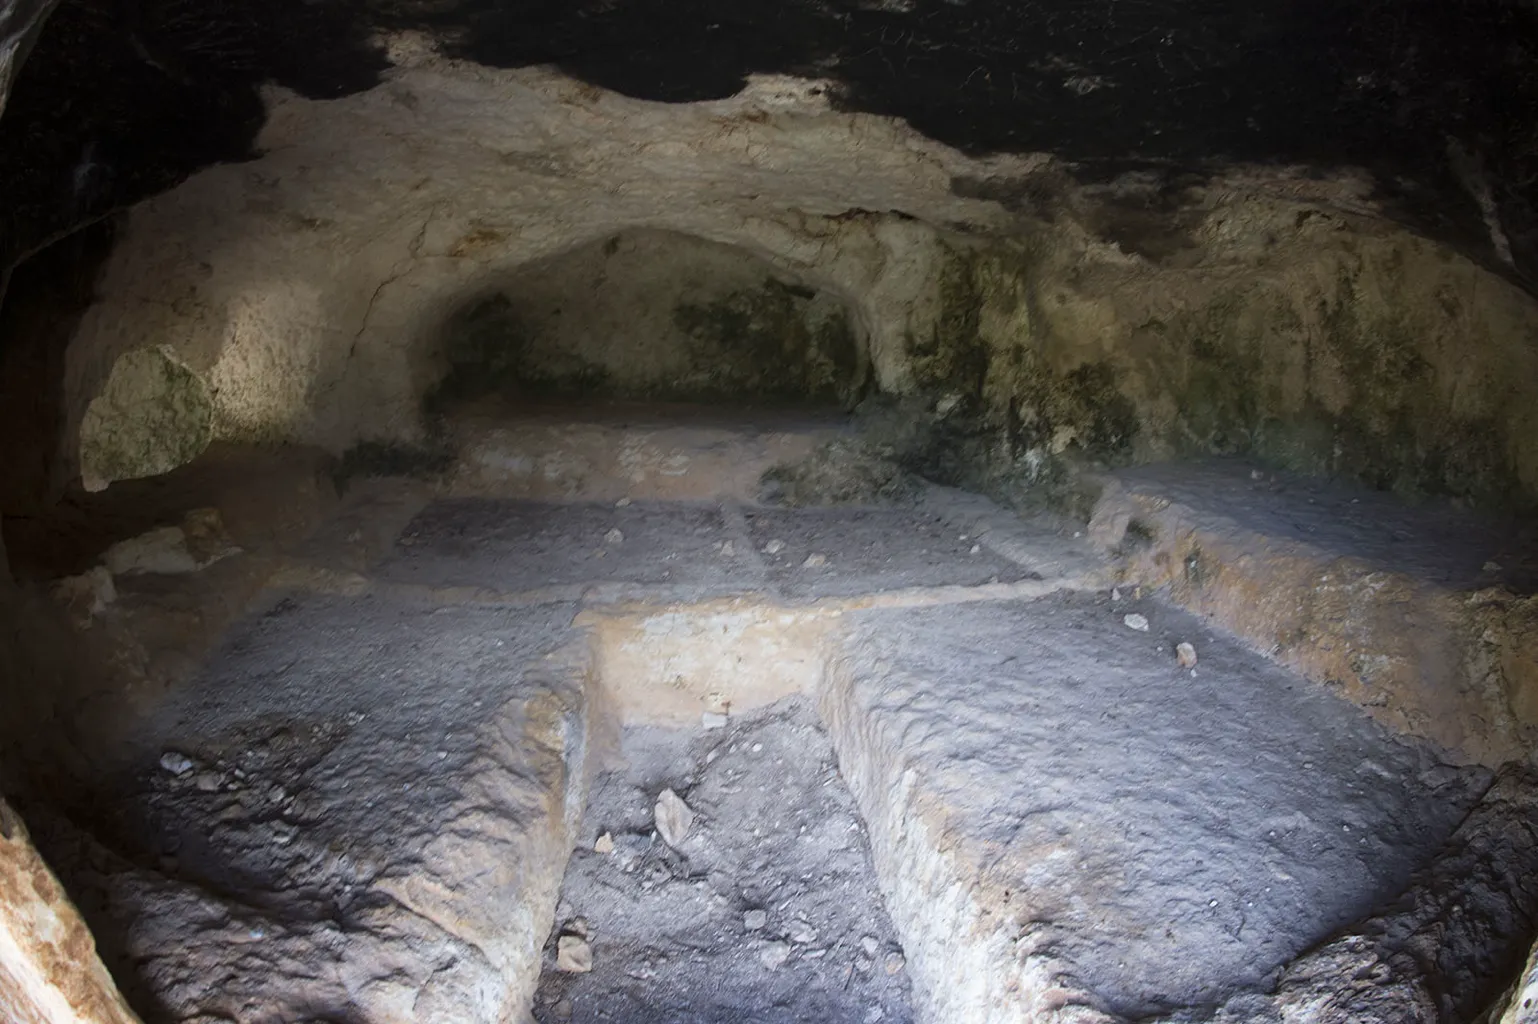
x=951, y=358
x=777, y=342
x=1006, y=407
x=654, y=316
x=153, y=415
x=1332, y=380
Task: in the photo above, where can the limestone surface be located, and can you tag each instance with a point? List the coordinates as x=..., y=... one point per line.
x=1074, y=827
x=1425, y=616
x=459, y=225
x=49, y=971
x=371, y=819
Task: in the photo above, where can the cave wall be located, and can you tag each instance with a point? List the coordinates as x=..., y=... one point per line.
x=647, y=314
x=309, y=289
x=314, y=294
x=1309, y=339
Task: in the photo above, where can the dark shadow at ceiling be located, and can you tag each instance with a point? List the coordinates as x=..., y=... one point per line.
x=122, y=98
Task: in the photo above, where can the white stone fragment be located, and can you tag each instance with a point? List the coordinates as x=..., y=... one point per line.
x=158, y=551
x=815, y=561
x=1136, y=621
x=1186, y=654
x=614, y=536
x=673, y=818
x=774, y=547
x=774, y=955
x=573, y=955
x=604, y=844
x=176, y=763
x=755, y=920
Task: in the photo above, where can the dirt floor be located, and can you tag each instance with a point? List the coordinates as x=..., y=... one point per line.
x=767, y=911
x=964, y=779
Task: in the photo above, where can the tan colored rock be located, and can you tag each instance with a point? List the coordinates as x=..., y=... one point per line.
x=49, y=970
x=573, y=955
x=152, y=415
x=86, y=596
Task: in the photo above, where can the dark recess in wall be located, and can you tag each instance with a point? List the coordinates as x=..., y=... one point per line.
x=122, y=98
x=48, y=293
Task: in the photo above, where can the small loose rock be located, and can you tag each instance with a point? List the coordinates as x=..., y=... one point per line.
x=573, y=955
x=774, y=547
x=801, y=933
x=815, y=561
x=614, y=536
x=604, y=844
x=1136, y=621
x=177, y=764
x=673, y=818
x=774, y=955
x=755, y=920
x=1186, y=654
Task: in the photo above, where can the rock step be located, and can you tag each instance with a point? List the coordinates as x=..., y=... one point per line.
x=1070, y=825
x=1425, y=616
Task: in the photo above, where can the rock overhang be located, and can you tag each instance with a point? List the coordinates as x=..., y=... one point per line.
x=1432, y=100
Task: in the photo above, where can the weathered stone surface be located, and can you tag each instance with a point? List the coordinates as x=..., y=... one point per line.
x=572, y=452
x=1422, y=615
x=49, y=971
x=1071, y=827
x=381, y=810
x=1444, y=948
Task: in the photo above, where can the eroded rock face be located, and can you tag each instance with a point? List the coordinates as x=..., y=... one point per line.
x=326, y=291
x=49, y=972
x=151, y=416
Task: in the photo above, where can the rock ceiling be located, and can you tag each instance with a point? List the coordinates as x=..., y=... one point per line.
x=122, y=98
